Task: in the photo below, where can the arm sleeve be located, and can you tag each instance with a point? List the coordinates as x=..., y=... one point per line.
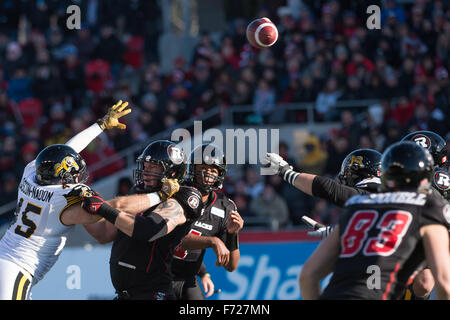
x=333, y=191
x=149, y=228
x=82, y=139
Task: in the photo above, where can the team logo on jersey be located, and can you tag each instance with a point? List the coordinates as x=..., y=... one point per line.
x=67, y=164
x=193, y=202
x=442, y=180
x=446, y=213
x=356, y=160
x=422, y=141
x=175, y=154
x=203, y=225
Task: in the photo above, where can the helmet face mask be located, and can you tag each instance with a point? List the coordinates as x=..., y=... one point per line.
x=209, y=177
x=207, y=168
x=359, y=165
x=151, y=174
x=60, y=164
x=160, y=159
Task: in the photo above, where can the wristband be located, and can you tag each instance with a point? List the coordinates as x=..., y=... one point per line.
x=154, y=198
x=232, y=241
x=290, y=175
x=108, y=212
x=101, y=124
x=207, y=275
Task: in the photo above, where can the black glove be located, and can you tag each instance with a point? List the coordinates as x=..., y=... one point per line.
x=92, y=202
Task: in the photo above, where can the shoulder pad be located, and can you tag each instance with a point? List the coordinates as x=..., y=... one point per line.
x=191, y=201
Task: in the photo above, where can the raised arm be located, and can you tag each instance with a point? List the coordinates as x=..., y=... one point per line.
x=109, y=121
x=302, y=181
x=313, y=185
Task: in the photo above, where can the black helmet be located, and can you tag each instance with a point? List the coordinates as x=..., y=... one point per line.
x=60, y=164
x=435, y=144
x=209, y=154
x=441, y=182
x=165, y=153
x=404, y=165
x=359, y=165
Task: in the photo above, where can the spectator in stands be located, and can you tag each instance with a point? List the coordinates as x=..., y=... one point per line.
x=253, y=184
x=263, y=101
x=337, y=149
x=272, y=206
x=315, y=157
x=392, y=9
x=326, y=100
x=350, y=127
x=123, y=186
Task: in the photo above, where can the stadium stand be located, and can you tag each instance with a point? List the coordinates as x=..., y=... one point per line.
x=373, y=86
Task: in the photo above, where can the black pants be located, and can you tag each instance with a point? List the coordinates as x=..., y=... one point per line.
x=188, y=289
x=135, y=285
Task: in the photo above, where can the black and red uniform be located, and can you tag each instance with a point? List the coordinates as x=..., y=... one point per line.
x=338, y=193
x=141, y=269
x=381, y=232
x=187, y=263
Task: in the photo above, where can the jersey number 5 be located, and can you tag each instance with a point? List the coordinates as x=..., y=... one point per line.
x=393, y=226
x=31, y=226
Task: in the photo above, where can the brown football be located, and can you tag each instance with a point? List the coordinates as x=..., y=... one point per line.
x=262, y=33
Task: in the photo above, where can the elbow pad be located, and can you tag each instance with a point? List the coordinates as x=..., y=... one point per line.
x=149, y=228
x=191, y=200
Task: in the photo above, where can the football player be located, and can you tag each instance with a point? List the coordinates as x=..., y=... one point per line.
x=217, y=228
x=359, y=174
x=381, y=239
x=423, y=282
x=145, y=237
x=48, y=207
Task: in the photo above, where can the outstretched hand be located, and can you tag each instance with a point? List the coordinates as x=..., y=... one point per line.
x=111, y=119
x=320, y=230
x=276, y=163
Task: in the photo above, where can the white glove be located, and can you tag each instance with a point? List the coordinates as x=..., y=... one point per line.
x=281, y=167
x=320, y=231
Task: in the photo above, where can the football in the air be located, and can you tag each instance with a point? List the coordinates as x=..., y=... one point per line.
x=262, y=33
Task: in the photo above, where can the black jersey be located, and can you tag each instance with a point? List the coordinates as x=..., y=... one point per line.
x=380, y=232
x=138, y=266
x=187, y=263
x=337, y=193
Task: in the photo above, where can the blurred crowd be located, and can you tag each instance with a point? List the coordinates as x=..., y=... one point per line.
x=54, y=82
